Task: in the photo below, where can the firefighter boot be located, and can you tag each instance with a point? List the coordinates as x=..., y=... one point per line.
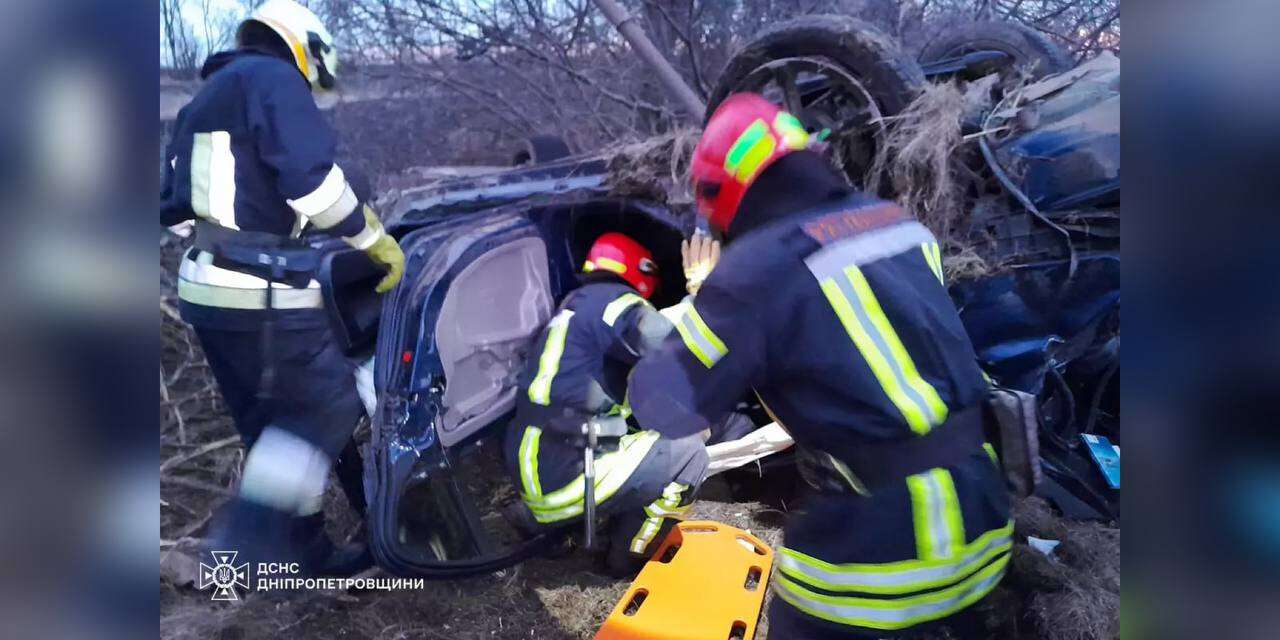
x=620, y=561
x=319, y=556
x=254, y=532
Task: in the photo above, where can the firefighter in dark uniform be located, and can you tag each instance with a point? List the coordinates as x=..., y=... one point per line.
x=252, y=163
x=577, y=372
x=830, y=304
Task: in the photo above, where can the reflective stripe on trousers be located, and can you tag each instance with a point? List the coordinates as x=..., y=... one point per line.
x=613, y=469
x=946, y=576
x=892, y=613
x=666, y=506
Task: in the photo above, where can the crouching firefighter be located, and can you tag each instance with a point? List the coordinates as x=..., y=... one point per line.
x=830, y=304
x=252, y=163
x=569, y=447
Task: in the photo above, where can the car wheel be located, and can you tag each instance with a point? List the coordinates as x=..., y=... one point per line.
x=1028, y=50
x=832, y=72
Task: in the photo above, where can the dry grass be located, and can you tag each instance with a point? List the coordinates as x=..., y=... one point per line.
x=656, y=168
x=1075, y=594
x=917, y=158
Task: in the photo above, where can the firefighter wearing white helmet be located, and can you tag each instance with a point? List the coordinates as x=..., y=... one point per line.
x=308, y=40
x=253, y=163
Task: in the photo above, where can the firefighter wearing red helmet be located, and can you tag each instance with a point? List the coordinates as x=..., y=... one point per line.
x=576, y=374
x=616, y=253
x=829, y=303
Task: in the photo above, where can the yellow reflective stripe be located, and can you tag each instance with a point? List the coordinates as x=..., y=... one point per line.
x=614, y=309
x=608, y=264
x=705, y=345
x=937, y=259
x=756, y=156
x=529, y=462
x=893, y=613
x=896, y=577
x=991, y=451
x=299, y=53
x=793, y=134
x=935, y=513
x=952, y=519
x=936, y=407
x=667, y=505
x=935, y=264
x=880, y=367
x=645, y=535
x=746, y=141
x=612, y=471
x=549, y=362
x=282, y=297
x=749, y=151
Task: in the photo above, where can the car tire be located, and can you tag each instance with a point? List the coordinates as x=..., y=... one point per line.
x=886, y=74
x=890, y=75
x=1029, y=48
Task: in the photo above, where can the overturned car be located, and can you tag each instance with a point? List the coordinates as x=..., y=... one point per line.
x=489, y=257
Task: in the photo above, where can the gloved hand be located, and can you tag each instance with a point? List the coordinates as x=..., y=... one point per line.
x=700, y=254
x=385, y=253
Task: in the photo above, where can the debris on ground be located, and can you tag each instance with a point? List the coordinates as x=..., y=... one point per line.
x=1072, y=594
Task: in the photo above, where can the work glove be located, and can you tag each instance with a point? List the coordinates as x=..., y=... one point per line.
x=700, y=254
x=385, y=253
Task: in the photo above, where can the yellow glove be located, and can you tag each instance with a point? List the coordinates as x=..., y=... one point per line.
x=386, y=253
x=700, y=254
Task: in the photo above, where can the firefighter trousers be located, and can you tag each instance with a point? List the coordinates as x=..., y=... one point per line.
x=911, y=555
x=314, y=394
x=640, y=484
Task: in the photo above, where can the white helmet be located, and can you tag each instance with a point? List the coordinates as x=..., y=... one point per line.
x=305, y=36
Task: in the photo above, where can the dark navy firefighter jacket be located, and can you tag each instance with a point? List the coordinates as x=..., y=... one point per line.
x=578, y=369
x=839, y=320
x=252, y=152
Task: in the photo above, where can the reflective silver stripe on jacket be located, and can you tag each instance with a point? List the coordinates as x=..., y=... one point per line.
x=370, y=234
x=614, y=309
x=213, y=178
x=329, y=203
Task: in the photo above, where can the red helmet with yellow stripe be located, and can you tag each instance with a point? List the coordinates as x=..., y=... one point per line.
x=620, y=254
x=745, y=135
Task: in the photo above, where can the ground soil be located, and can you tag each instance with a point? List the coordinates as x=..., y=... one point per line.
x=1073, y=595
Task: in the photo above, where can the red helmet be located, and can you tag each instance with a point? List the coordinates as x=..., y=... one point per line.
x=744, y=136
x=625, y=257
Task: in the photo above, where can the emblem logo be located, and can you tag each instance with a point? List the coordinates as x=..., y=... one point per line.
x=224, y=576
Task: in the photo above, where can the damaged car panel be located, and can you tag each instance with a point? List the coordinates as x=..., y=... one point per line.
x=486, y=263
